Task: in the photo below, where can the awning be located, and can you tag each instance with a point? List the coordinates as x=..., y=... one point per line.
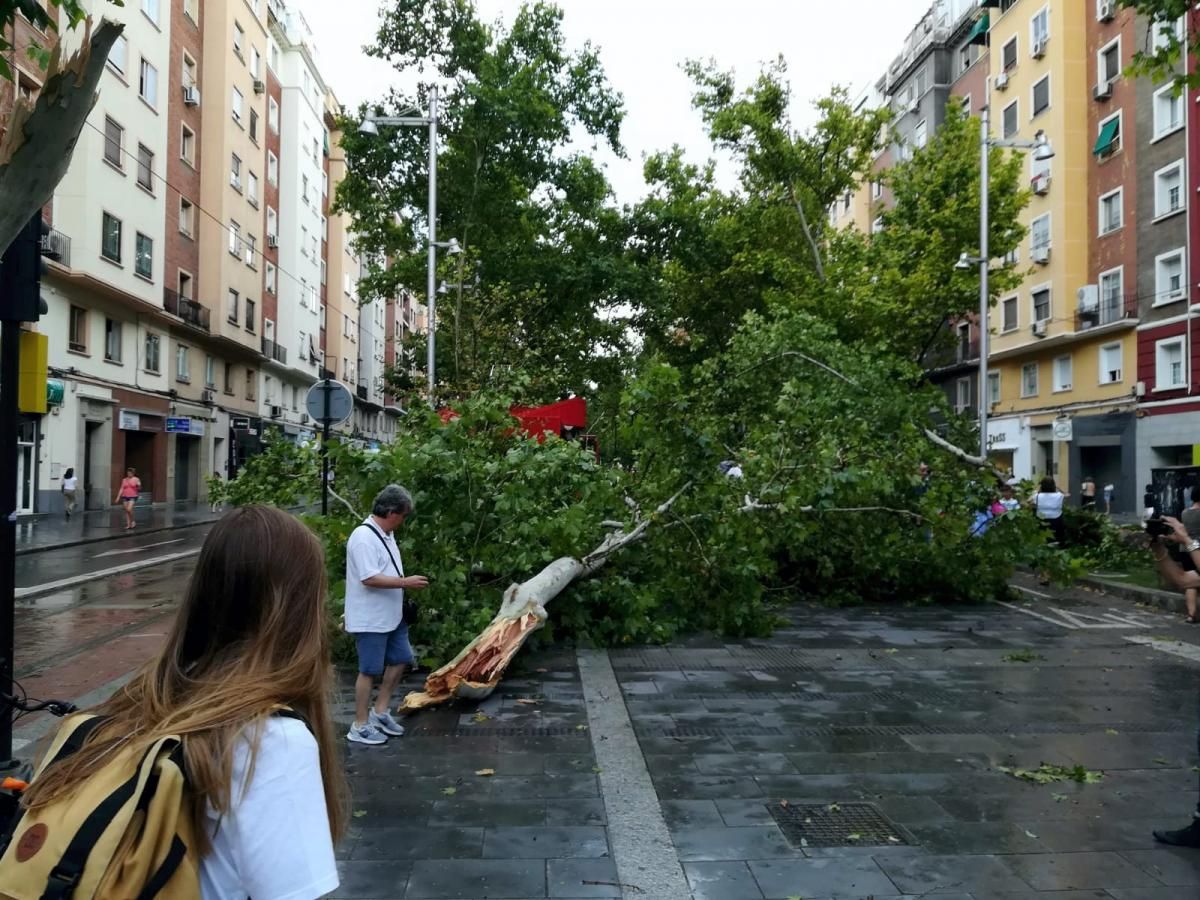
x=979, y=34
x=1110, y=134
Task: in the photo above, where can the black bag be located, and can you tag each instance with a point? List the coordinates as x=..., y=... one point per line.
x=411, y=610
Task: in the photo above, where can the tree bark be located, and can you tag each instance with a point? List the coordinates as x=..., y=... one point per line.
x=41, y=136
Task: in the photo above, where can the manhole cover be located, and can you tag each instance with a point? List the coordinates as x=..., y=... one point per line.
x=835, y=825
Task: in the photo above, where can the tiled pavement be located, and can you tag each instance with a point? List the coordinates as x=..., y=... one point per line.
x=910, y=709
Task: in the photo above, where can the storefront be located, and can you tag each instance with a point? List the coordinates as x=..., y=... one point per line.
x=1009, y=445
x=1104, y=447
x=189, y=456
x=245, y=441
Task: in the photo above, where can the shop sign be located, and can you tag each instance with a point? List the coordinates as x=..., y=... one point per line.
x=1064, y=428
x=185, y=425
x=129, y=421
x=56, y=392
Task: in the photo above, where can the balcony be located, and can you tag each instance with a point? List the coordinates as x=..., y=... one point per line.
x=361, y=391
x=57, y=246
x=189, y=310
x=272, y=350
x=1109, y=311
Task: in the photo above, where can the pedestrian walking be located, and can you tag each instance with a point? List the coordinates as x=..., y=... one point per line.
x=375, y=588
x=127, y=496
x=1088, y=492
x=243, y=683
x=1191, y=522
x=1048, y=502
x=216, y=480
x=1109, y=490
x=70, y=485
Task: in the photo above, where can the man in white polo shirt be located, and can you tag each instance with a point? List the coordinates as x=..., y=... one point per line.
x=375, y=586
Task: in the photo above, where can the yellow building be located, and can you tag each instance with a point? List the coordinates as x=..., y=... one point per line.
x=1046, y=363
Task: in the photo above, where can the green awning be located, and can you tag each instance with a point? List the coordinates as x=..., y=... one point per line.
x=1110, y=134
x=979, y=33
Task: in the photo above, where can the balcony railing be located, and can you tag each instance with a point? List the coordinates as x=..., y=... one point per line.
x=275, y=351
x=57, y=246
x=1109, y=310
x=189, y=310
x=361, y=391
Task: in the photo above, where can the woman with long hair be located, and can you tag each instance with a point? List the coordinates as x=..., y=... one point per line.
x=250, y=642
x=127, y=494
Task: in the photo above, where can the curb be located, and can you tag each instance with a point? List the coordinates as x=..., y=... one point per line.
x=1172, y=602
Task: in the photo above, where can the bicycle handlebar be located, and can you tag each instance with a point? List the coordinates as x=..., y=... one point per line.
x=58, y=708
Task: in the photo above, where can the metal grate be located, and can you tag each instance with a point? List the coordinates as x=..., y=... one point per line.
x=835, y=825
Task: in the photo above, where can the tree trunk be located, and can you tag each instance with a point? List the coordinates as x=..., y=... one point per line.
x=41, y=136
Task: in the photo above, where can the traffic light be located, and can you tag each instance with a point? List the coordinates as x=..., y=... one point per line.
x=21, y=270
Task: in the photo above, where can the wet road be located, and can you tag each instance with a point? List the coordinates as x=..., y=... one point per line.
x=54, y=565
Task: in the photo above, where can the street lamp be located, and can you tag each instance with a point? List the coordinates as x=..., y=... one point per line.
x=370, y=126
x=1042, y=151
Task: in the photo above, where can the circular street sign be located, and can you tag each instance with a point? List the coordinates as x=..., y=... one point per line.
x=338, y=397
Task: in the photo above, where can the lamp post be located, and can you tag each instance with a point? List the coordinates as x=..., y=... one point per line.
x=370, y=126
x=1042, y=151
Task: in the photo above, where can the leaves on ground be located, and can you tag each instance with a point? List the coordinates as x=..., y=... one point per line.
x=1023, y=656
x=359, y=813
x=450, y=791
x=1161, y=761
x=854, y=837
x=1050, y=774
x=481, y=717
x=1111, y=731
x=1030, y=834
x=485, y=773
x=526, y=701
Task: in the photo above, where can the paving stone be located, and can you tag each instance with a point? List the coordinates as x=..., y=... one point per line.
x=372, y=880
x=577, y=811
x=751, y=764
x=715, y=844
x=738, y=813
x=943, y=874
x=492, y=812
x=1075, y=871
x=437, y=879
x=780, y=879
x=1171, y=865
x=693, y=813
x=582, y=878
x=1162, y=893
x=702, y=787
x=721, y=881
x=393, y=842
x=545, y=842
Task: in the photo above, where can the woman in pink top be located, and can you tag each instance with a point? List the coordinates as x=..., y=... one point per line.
x=131, y=486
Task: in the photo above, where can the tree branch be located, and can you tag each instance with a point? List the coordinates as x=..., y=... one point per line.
x=963, y=455
x=812, y=242
x=336, y=496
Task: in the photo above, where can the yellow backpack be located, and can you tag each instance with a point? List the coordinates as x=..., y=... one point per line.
x=125, y=835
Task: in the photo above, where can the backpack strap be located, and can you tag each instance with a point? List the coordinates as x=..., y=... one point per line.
x=286, y=712
x=169, y=865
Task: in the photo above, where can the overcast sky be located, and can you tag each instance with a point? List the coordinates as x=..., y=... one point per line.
x=643, y=42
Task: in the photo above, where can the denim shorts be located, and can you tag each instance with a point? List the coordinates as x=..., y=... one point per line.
x=377, y=649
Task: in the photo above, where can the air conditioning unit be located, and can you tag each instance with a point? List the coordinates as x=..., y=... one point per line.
x=272, y=240
x=1139, y=389
x=1088, y=298
x=915, y=107
x=1105, y=12
x=209, y=396
x=1041, y=183
x=1002, y=81
x=303, y=418
x=1103, y=91
x=191, y=96
x=259, y=86
x=1039, y=48
x=1041, y=255
x=1039, y=329
x=276, y=412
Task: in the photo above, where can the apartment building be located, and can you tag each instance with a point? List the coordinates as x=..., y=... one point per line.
x=340, y=311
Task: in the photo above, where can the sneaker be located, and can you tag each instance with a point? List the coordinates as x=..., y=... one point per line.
x=386, y=724
x=366, y=734
x=1184, y=837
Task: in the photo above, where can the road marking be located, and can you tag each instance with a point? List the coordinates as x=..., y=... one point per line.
x=51, y=586
x=141, y=549
x=1032, y=591
x=1074, y=620
x=641, y=844
x=1175, y=648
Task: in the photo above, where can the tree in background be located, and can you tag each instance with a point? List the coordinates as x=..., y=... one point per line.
x=1163, y=63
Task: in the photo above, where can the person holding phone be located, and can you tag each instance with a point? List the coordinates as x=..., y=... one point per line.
x=375, y=586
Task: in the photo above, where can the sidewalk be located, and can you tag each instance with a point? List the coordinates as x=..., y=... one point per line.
x=45, y=532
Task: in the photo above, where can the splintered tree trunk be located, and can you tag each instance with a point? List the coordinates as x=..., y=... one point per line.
x=41, y=136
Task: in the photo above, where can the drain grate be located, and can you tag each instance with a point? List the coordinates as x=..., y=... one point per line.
x=835, y=825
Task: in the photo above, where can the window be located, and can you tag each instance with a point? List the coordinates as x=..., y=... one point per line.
x=189, y=7
x=252, y=188
x=324, y=229
x=1010, y=119
x=183, y=363
x=1111, y=211
x=114, y=136
x=235, y=172
x=1110, y=364
x=1163, y=33
x=304, y=240
x=1062, y=374
x=1039, y=28
x=187, y=145
x=1112, y=289
x=1029, y=380
x=964, y=58
x=273, y=56
x=236, y=99
x=252, y=251
x=315, y=251
x=255, y=62
x=143, y=257
x=876, y=189
x=185, y=285
x=1041, y=304
x=250, y=316
x=187, y=216
x=1169, y=356
x=148, y=83
x=993, y=388
x=251, y=383
x=77, y=336
x=1169, y=277
x=1008, y=309
x=145, y=176
x=1041, y=96
x=110, y=238
x=1009, y=54
x=235, y=238
x=304, y=188
x=346, y=325
x=239, y=38
x=323, y=273
x=304, y=293
x=1108, y=141
x=1108, y=63
x=229, y=378
x=210, y=371
x=920, y=134
x=272, y=168
x=273, y=115
x=1039, y=233
x=232, y=311
x=153, y=345
x=189, y=71
x=269, y=279
x=1168, y=111
x=118, y=56
x=272, y=222
x=1168, y=189
x=112, y=340
x=962, y=395
x=150, y=8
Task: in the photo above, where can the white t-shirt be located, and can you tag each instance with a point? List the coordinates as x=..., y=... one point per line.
x=1049, y=506
x=370, y=609
x=69, y=483
x=275, y=843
